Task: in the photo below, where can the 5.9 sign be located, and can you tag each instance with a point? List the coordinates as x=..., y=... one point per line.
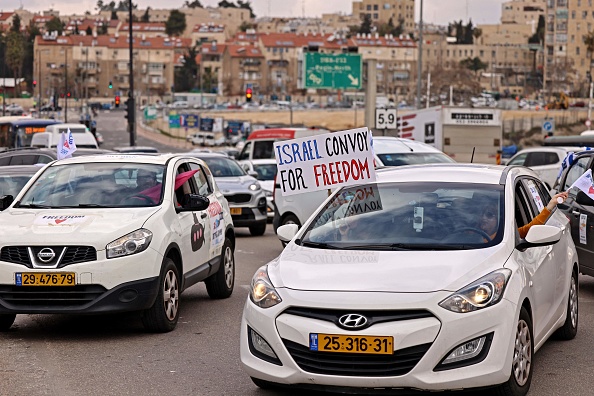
x=385, y=119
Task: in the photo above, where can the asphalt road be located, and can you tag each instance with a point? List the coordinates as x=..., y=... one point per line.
x=61, y=355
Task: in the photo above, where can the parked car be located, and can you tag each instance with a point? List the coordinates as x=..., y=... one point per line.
x=389, y=151
x=117, y=233
x=50, y=107
x=579, y=209
x=32, y=156
x=544, y=161
x=14, y=178
x=180, y=104
x=264, y=170
x=392, y=285
x=247, y=200
x=14, y=109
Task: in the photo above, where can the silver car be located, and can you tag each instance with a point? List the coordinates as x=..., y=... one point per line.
x=247, y=199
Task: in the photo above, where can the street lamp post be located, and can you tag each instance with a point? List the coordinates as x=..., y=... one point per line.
x=65, y=85
x=420, y=60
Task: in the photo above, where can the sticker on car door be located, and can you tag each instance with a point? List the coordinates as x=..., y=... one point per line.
x=583, y=222
x=217, y=224
x=535, y=195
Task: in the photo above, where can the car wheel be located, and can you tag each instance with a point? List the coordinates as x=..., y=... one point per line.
x=163, y=315
x=569, y=329
x=6, y=321
x=289, y=219
x=521, y=375
x=258, y=229
x=262, y=384
x=220, y=285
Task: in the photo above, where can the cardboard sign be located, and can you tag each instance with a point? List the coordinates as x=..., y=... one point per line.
x=325, y=161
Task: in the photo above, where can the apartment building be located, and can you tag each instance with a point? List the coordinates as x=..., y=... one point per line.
x=381, y=11
x=143, y=29
x=567, y=60
x=208, y=32
x=243, y=65
x=89, y=64
x=523, y=11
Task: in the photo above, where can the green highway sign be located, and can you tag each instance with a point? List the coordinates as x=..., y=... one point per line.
x=329, y=71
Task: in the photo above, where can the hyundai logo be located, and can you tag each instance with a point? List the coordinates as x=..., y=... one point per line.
x=352, y=321
x=46, y=255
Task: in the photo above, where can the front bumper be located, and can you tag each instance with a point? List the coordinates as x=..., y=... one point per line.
x=121, y=284
x=249, y=217
x=438, y=334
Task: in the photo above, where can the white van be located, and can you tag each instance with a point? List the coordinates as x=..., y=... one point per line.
x=83, y=138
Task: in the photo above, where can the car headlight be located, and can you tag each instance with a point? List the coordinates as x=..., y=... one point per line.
x=268, y=193
x=485, y=292
x=134, y=242
x=262, y=293
x=254, y=186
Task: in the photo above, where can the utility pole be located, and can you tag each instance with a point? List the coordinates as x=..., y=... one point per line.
x=420, y=60
x=590, y=103
x=131, y=105
x=65, y=84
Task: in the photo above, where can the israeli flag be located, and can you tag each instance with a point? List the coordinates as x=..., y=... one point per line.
x=585, y=183
x=566, y=163
x=66, y=146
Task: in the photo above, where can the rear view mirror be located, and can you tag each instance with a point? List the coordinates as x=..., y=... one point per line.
x=6, y=201
x=540, y=235
x=583, y=199
x=193, y=203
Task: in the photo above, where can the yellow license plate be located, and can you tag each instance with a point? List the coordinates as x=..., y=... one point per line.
x=45, y=279
x=372, y=345
x=235, y=211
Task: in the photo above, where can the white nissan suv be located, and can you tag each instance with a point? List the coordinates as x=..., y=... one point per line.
x=114, y=233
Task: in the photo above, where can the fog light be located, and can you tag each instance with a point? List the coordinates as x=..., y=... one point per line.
x=466, y=351
x=260, y=348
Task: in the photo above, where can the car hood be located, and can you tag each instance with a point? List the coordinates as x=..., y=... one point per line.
x=234, y=184
x=94, y=227
x=302, y=268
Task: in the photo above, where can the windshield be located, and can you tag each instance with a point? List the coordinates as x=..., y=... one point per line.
x=265, y=171
x=399, y=159
x=410, y=216
x=96, y=185
x=223, y=167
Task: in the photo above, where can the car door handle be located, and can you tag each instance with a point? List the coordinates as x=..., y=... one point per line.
x=203, y=215
x=575, y=213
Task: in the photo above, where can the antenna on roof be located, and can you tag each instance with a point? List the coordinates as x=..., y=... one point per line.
x=472, y=156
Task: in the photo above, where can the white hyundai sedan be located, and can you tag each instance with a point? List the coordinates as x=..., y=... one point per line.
x=420, y=280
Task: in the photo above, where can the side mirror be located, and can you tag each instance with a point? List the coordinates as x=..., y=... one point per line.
x=583, y=199
x=6, y=201
x=192, y=203
x=540, y=235
x=253, y=174
x=286, y=232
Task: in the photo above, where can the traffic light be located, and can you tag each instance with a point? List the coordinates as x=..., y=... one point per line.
x=34, y=83
x=117, y=101
x=130, y=110
x=248, y=95
x=110, y=85
x=68, y=94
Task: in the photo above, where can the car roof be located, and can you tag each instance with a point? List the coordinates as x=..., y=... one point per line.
x=392, y=145
x=158, y=159
x=206, y=154
x=565, y=149
x=51, y=151
x=454, y=172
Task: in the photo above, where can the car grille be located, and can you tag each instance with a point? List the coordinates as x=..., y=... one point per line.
x=72, y=255
x=239, y=198
x=356, y=365
x=50, y=296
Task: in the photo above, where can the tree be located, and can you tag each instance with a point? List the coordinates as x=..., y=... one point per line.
x=247, y=6
x=186, y=76
x=538, y=36
x=245, y=25
x=475, y=64
x=89, y=31
x=589, y=42
x=478, y=32
x=54, y=25
x=193, y=4
x=226, y=4
x=15, y=54
x=16, y=24
x=146, y=17
x=176, y=23
x=114, y=15
x=468, y=32
x=365, y=27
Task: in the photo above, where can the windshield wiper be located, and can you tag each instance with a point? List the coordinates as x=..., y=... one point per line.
x=428, y=246
x=319, y=245
x=376, y=246
x=32, y=206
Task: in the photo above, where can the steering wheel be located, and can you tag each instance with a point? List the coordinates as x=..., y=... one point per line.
x=143, y=197
x=471, y=229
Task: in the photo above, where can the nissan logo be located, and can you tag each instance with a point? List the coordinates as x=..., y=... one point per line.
x=352, y=321
x=46, y=255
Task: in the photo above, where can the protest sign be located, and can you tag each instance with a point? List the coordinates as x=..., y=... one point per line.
x=325, y=161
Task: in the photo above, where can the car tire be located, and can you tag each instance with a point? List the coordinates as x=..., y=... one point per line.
x=6, y=321
x=520, y=378
x=162, y=317
x=258, y=229
x=220, y=284
x=262, y=384
x=289, y=219
x=569, y=329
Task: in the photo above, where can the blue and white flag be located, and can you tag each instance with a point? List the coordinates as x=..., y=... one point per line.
x=585, y=183
x=66, y=146
x=567, y=161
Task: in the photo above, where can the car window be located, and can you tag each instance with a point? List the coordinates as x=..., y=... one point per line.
x=44, y=159
x=577, y=169
x=224, y=167
x=200, y=179
x=4, y=161
x=12, y=185
x=519, y=159
x=541, y=158
x=410, y=216
x=245, y=152
x=265, y=171
x=263, y=149
x=24, y=159
x=400, y=159
x=523, y=211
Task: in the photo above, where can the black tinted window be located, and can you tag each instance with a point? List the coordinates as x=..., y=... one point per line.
x=24, y=160
x=541, y=158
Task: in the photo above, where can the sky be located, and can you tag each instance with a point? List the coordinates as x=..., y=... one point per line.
x=435, y=11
